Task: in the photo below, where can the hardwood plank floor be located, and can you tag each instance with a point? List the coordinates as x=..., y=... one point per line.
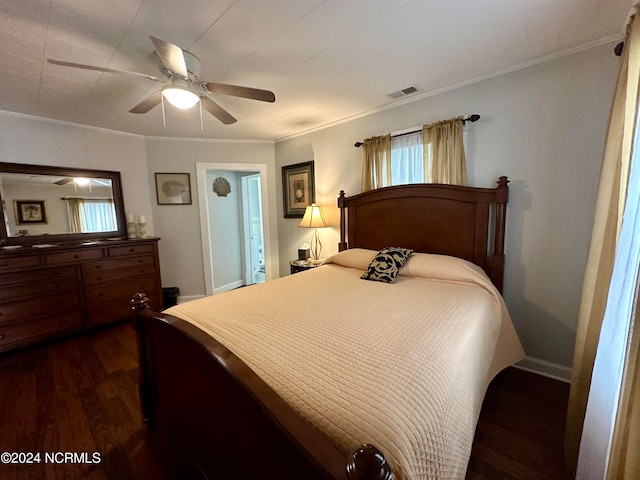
x=80, y=395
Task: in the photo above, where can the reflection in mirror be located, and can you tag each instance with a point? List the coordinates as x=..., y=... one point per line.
x=40, y=201
x=51, y=205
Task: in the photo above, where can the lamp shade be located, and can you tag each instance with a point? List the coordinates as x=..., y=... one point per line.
x=313, y=217
x=180, y=97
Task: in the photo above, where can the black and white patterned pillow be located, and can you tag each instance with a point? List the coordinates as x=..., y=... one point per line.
x=386, y=264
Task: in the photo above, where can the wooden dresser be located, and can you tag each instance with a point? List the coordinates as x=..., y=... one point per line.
x=47, y=292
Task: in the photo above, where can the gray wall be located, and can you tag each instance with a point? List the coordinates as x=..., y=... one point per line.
x=544, y=127
x=181, y=256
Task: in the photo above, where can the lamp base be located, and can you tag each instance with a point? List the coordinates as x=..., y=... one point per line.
x=316, y=248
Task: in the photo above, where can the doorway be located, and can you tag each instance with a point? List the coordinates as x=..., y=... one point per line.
x=254, y=270
x=235, y=237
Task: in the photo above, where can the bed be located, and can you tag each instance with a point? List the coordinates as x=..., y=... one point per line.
x=322, y=374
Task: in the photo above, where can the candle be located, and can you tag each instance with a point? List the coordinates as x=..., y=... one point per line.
x=141, y=219
x=130, y=218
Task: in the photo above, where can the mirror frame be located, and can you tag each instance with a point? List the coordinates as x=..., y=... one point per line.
x=118, y=202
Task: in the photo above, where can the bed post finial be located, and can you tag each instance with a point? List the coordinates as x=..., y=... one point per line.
x=368, y=463
x=139, y=301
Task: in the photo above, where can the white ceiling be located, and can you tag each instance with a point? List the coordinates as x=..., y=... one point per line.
x=325, y=60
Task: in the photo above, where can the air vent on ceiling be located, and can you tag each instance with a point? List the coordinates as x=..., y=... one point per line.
x=404, y=92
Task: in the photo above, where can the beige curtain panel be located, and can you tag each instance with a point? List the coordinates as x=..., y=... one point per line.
x=610, y=201
x=444, y=153
x=74, y=214
x=376, y=164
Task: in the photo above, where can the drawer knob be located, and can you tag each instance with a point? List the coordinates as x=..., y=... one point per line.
x=75, y=255
x=132, y=249
x=1, y=336
x=4, y=264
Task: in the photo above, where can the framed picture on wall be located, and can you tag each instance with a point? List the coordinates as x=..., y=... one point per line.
x=30, y=211
x=173, y=188
x=298, y=188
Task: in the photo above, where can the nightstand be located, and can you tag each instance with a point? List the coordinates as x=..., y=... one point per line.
x=302, y=265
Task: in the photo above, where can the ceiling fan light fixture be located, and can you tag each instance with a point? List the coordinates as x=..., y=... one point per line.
x=180, y=97
x=82, y=181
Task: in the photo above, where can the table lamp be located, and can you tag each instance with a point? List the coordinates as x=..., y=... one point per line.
x=313, y=218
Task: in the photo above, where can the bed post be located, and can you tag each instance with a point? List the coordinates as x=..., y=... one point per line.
x=140, y=302
x=497, y=259
x=343, y=243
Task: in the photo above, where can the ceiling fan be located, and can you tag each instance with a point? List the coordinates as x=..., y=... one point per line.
x=183, y=88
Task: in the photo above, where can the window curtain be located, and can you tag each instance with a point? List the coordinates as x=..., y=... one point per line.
x=376, y=164
x=91, y=215
x=444, y=152
x=98, y=216
x=610, y=202
x=407, y=165
x=73, y=208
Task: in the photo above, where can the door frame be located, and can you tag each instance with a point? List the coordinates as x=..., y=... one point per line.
x=201, y=179
x=246, y=228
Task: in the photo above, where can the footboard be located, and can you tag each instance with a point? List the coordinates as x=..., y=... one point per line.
x=210, y=416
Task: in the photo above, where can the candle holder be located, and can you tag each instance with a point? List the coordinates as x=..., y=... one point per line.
x=131, y=231
x=142, y=229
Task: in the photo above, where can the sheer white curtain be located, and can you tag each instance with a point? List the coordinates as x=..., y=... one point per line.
x=98, y=216
x=407, y=165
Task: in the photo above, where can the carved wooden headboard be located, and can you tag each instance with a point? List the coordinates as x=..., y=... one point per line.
x=465, y=222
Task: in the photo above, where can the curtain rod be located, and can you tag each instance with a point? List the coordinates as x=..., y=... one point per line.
x=471, y=118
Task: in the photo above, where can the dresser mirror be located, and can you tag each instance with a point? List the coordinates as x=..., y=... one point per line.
x=50, y=205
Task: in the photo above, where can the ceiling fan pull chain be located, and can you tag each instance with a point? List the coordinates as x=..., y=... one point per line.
x=164, y=122
x=201, y=124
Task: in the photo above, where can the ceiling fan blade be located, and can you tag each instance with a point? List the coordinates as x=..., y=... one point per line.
x=217, y=111
x=63, y=63
x=237, y=91
x=171, y=56
x=63, y=181
x=148, y=103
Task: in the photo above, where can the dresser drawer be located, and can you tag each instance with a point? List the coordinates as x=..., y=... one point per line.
x=116, y=263
x=14, y=335
x=73, y=256
x=122, y=290
x=130, y=250
x=10, y=263
x=14, y=312
x=36, y=289
x=118, y=274
x=40, y=274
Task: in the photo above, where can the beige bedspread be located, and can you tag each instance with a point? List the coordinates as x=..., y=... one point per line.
x=402, y=366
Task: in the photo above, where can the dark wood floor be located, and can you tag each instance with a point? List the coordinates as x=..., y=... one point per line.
x=80, y=395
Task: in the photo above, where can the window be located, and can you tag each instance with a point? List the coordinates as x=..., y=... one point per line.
x=407, y=165
x=92, y=215
x=409, y=158
x=97, y=216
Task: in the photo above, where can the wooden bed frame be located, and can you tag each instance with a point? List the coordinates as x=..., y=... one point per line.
x=210, y=416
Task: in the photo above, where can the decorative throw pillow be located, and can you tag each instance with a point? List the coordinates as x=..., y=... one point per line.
x=386, y=264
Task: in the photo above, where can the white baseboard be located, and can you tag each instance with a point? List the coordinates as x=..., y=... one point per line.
x=545, y=368
x=188, y=298
x=229, y=286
